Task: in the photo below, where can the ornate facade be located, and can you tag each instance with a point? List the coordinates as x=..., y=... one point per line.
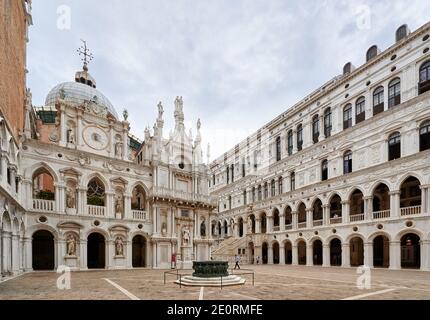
x=342, y=177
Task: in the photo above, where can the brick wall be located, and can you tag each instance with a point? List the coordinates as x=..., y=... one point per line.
x=12, y=63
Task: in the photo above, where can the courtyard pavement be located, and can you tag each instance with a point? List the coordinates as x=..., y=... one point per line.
x=271, y=283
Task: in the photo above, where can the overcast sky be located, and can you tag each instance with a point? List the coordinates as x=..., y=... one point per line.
x=237, y=64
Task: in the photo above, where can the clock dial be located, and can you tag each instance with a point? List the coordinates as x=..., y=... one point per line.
x=95, y=138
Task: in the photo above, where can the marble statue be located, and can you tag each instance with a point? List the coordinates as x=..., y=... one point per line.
x=70, y=198
x=185, y=236
x=119, y=247
x=118, y=204
x=160, y=110
x=71, y=136
x=71, y=245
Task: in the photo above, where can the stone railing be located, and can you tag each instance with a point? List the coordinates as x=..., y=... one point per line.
x=140, y=215
x=288, y=226
x=318, y=223
x=383, y=214
x=336, y=220
x=409, y=211
x=98, y=211
x=182, y=195
x=43, y=205
x=276, y=228
x=356, y=217
x=301, y=225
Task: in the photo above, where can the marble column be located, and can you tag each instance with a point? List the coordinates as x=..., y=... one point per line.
x=295, y=220
x=309, y=217
x=394, y=203
x=258, y=225
x=295, y=255
x=15, y=254
x=61, y=252
x=270, y=254
x=346, y=255
x=269, y=224
x=83, y=254
x=345, y=211
x=309, y=255
x=6, y=252
x=282, y=222
x=28, y=255
x=425, y=255
x=128, y=213
x=326, y=255
x=395, y=255
x=326, y=214
x=281, y=254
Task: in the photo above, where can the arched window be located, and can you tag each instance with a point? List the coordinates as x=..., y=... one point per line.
x=324, y=170
x=293, y=181
x=425, y=136
x=290, y=142
x=378, y=100
x=228, y=174
x=229, y=202
x=278, y=148
x=272, y=188
x=315, y=128
x=347, y=116
x=280, y=188
x=43, y=184
x=347, y=162
x=371, y=53
x=327, y=122
x=138, y=199
x=299, y=137
x=424, y=84
x=253, y=194
x=232, y=173
x=244, y=197
x=96, y=193
x=360, y=110
x=266, y=190
x=394, y=93
x=259, y=193
x=394, y=146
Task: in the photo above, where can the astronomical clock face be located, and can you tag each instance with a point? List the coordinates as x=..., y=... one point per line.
x=95, y=138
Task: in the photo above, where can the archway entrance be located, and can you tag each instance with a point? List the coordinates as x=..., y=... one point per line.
x=301, y=251
x=138, y=251
x=335, y=252
x=275, y=253
x=96, y=251
x=43, y=250
x=288, y=253
x=264, y=252
x=317, y=252
x=251, y=253
x=356, y=250
x=410, y=251
x=381, y=252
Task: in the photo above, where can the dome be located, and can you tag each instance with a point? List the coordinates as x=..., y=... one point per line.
x=76, y=94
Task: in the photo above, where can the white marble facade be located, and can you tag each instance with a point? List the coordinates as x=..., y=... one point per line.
x=342, y=177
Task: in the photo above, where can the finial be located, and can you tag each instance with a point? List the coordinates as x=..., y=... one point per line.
x=125, y=114
x=160, y=110
x=87, y=55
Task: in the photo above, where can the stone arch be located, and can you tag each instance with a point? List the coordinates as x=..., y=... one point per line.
x=405, y=231
x=331, y=237
x=6, y=222
x=405, y=177
x=275, y=251
x=43, y=243
x=135, y=184
x=29, y=172
x=299, y=239
x=375, y=234
x=98, y=175
x=102, y=231
x=376, y=184
x=332, y=195
x=314, y=238
x=15, y=226
x=351, y=191
x=40, y=227
x=288, y=251
x=355, y=235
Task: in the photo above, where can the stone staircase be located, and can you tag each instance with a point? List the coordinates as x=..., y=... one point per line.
x=228, y=248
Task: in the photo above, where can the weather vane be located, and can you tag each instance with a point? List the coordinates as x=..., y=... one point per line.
x=87, y=55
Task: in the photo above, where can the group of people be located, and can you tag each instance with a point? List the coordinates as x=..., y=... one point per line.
x=237, y=260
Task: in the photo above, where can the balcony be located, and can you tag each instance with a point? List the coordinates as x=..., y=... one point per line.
x=336, y=220
x=301, y=225
x=97, y=211
x=410, y=211
x=383, y=214
x=181, y=195
x=44, y=205
x=288, y=226
x=318, y=223
x=356, y=217
x=140, y=215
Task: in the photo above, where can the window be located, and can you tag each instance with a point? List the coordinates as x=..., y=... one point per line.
x=315, y=128
x=266, y=190
x=394, y=146
x=273, y=188
x=253, y=194
x=299, y=137
x=278, y=148
x=213, y=178
x=360, y=110
x=347, y=162
x=293, y=181
x=327, y=122
x=378, y=100
x=371, y=53
x=232, y=173
x=96, y=193
x=324, y=170
x=424, y=84
x=280, y=187
x=244, y=197
x=425, y=136
x=259, y=193
x=228, y=175
x=229, y=202
x=394, y=93
x=290, y=142
x=243, y=168
x=347, y=116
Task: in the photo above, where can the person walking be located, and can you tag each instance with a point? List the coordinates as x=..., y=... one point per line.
x=237, y=260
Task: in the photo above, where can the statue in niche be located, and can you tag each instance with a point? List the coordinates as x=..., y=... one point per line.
x=164, y=228
x=70, y=136
x=203, y=228
x=119, y=247
x=249, y=225
x=215, y=230
x=118, y=204
x=71, y=245
x=118, y=149
x=70, y=198
x=186, y=236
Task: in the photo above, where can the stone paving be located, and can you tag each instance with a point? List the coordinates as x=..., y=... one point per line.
x=271, y=282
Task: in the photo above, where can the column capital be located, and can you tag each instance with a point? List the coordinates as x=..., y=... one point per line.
x=394, y=192
x=368, y=198
x=345, y=202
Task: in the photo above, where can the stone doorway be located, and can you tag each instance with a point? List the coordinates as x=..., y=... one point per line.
x=96, y=251
x=139, y=251
x=43, y=250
